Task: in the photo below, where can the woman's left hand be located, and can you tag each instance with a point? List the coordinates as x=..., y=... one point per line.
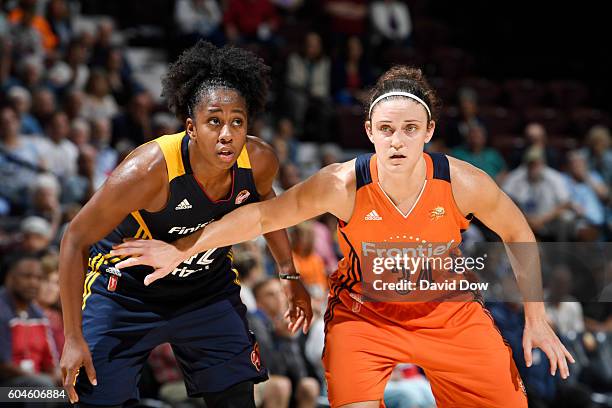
x=538, y=333
x=160, y=255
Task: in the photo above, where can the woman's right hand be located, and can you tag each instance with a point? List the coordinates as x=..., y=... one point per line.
x=74, y=356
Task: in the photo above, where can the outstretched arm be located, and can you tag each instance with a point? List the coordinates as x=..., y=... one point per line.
x=317, y=195
x=497, y=211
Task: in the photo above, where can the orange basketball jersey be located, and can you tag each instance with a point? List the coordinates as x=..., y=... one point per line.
x=434, y=221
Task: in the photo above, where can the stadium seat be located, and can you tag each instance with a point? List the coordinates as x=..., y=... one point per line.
x=523, y=93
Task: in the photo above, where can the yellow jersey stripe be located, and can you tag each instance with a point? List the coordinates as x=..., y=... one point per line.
x=170, y=146
x=243, y=159
x=88, y=291
x=143, y=225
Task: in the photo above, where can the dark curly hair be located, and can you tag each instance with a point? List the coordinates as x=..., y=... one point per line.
x=204, y=67
x=405, y=79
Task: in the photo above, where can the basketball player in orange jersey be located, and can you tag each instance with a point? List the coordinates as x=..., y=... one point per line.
x=375, y=197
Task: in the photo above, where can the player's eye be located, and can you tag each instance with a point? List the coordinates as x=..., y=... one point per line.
x=214, y=121
x=237, y=122
x=385, y=128
x=411, y=128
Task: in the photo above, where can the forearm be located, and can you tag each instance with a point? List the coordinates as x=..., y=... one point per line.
x=279, y=245
x=242, y=224
x=523, y=252
x=72, y=266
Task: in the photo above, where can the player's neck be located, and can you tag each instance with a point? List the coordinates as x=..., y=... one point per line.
x=402, y=186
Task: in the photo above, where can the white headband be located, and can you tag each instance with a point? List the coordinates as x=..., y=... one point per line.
x=398, y=93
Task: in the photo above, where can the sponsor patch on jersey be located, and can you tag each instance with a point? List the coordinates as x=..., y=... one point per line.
x=437, y=213
x=242, y=196
x=112, y=283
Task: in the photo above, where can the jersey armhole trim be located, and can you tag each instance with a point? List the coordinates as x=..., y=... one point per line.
x=170, y=146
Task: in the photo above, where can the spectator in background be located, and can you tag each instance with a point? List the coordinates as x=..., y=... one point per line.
x=542, y=195
x=25, y=15
x=45, y=200
x=48, y=300
x=29, y=73
x=98, y=101
x=60, y=153
x=351, y=74
x=26, y=345
x=588, y=192
x=58, y=16
x=391, y=22
x=199, y=19
x=288, y=176
x=106, y=157
x=248, y=21
x=80, y=187
x=285, y=131
x=119, y=76
x=308, y=263
x=324, y=245
x=21, y=100
x=80, y=132
x=32, y=238
x=248, y=261
x=535, y=136
x=308, y=88
x=71, y=72
x=136, y=124
x=43, y=105
x=476, y=152
x=20, y=158
x=76, y=62
x=73, y=103
x=36, y=235
x=468, y=117
x=315, y=340
x=102, y=42
x=26, y=39
x=280, y=351
x=408, y=388
x=165, y=123
x=562, y=309
x=599, y=152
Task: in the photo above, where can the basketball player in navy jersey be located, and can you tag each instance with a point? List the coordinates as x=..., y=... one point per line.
x=165, y=190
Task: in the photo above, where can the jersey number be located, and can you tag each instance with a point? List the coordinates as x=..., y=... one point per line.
x=205, y=259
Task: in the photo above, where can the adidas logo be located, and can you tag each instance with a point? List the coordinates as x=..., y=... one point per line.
x=184, y=205
x=373, y=216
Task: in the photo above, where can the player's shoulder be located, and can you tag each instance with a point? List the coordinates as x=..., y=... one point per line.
x=145, y=165
x=260, y=150
x=339, y=176
x=464, y=174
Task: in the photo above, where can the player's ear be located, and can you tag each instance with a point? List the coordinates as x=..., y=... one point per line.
x=431, y=126
x=190, y=128
x=368, y=129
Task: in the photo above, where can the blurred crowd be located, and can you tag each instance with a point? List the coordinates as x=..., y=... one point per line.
x=72, y=107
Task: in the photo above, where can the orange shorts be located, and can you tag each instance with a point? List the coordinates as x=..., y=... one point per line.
x=457, y=344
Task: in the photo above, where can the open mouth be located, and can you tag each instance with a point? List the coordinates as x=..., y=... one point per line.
x=226, y=155
x=398, y=156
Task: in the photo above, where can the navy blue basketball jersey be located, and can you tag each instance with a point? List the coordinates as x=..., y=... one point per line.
x=199, y=280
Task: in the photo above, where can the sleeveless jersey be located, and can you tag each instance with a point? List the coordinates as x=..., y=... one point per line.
x=200, y=279
x=434, y=220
